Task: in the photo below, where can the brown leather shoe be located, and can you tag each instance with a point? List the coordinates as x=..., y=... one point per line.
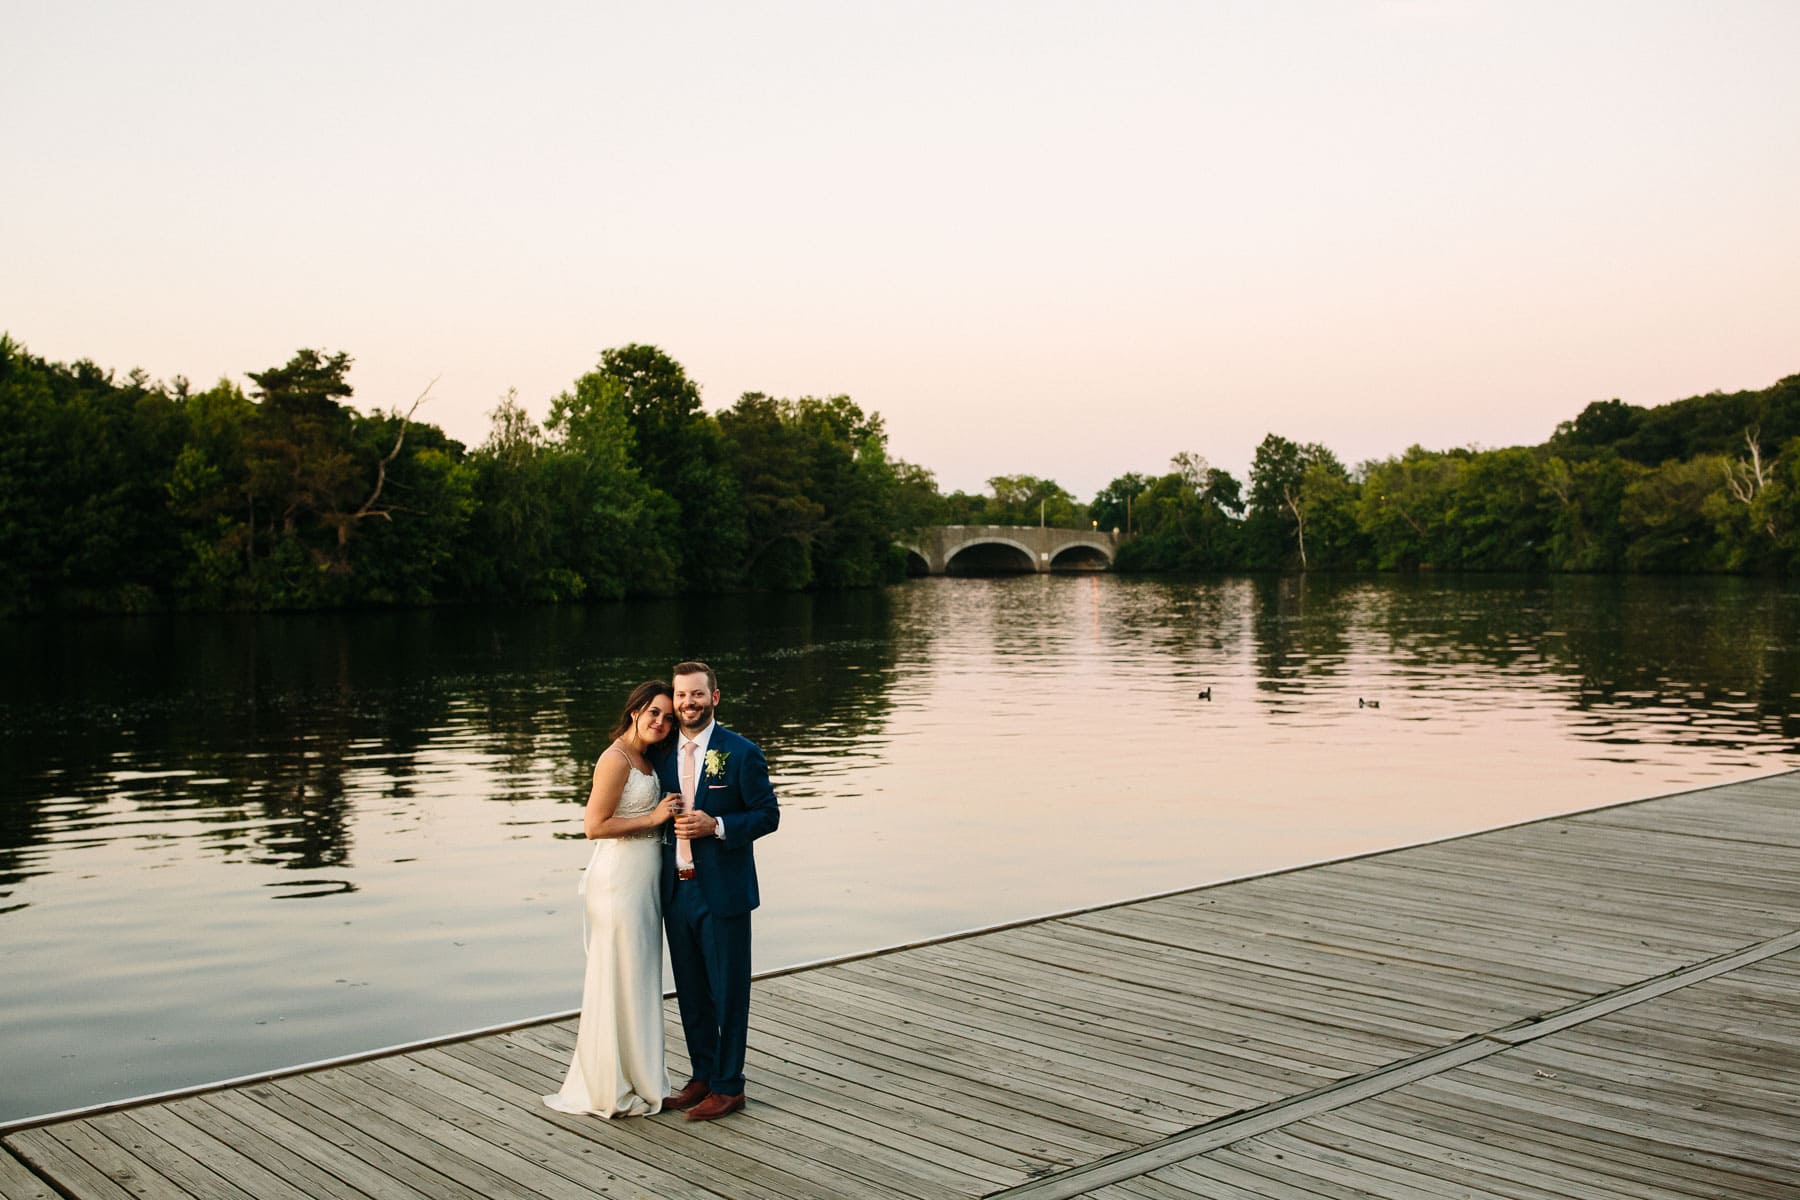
x=717, y=1105
x=691, y=1094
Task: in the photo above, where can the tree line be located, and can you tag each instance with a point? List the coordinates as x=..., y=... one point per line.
x=1706, y=484
x=124, y=494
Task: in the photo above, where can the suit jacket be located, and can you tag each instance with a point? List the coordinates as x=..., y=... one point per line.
x=740, y=797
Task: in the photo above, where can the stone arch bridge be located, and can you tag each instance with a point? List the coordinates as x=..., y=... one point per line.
x=1002, y=549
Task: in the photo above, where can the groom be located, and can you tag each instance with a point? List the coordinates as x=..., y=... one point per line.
x=709, y=888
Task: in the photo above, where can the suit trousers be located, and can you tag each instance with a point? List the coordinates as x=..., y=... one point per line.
x=710, y=958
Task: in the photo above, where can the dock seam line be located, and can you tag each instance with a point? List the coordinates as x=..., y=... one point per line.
x=1202, y=1139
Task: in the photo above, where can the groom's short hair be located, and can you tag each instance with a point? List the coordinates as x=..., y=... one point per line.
x=697, y=668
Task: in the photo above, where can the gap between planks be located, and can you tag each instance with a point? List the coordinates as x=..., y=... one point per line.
x=1217, y=1134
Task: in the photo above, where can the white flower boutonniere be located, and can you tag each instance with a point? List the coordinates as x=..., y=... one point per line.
x=715, y=761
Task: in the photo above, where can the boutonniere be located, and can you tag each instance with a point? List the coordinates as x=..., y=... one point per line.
x=715, y=762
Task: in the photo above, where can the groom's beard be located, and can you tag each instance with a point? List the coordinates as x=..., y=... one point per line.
x=698, y=721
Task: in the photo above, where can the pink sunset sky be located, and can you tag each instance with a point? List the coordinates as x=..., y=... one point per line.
x=1052, y=238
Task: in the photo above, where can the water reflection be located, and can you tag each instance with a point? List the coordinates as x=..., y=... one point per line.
x=282, y=725
x=949, y=753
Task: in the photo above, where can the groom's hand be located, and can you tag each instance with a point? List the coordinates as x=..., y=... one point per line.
x=695, y=825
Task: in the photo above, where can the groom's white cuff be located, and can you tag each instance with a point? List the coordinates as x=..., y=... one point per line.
x=719, y=828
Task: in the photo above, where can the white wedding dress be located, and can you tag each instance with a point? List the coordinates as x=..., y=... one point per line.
x=618, y=1069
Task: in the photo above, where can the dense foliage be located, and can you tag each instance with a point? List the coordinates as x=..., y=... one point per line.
x=127, y=495
x=1710, y=483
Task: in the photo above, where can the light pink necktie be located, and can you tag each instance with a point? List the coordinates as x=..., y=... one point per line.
x=684, y=849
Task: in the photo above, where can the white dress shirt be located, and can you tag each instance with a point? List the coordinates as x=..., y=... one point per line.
x=701, y=740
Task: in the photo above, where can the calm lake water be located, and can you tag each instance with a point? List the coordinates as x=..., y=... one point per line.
x=234, y=844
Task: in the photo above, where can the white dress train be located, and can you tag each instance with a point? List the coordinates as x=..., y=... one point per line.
x=618, y=1069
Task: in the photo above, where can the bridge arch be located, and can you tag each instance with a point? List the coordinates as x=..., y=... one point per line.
x=1022, y=561
x=941, y=549
x=1084, y=555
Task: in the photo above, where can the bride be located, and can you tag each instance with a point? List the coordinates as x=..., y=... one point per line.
x=618, y=1067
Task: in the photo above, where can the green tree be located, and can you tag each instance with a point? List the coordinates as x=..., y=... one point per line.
x=414, y=523
x=83, y=515
x=618, y=533
x=1027, y=500
x=1750, y=512
x=1505, y=516
x=1585, y=532
x=1405, y=507
x=211, y=502
x=1665, y=516
x=1325, y=512
x=823, y=504
x=1280, y=503
x=1113, y=506
x=916, y=501
x=772, y=458
x=1185, y=520
x=679, y=451
x=967, y=508
x=510, y=552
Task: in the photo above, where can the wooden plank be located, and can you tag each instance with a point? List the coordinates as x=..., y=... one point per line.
x=743, y=1148
x=1469, y=1160
x=1437, y=923
x=320, y=1173
x=1622, y=1152
x=1526, y=1073
x=1219, y=1177
x=1309, y=947
x=1030, y=1102
x=1546, y=1152
x=1338, y=1010
x=905, y=1162
x=1344, y=956
x=344, y=1131
x=87, y=1165
x=1572, y=1060
x=194, y=1157
x=1440, y=916
x=398, y=1105
x=1342, y=1051
x=1591, y=896
x=1268, y=1066
x=1273, y=997
x=905, y=1140
x=1102, y=1067
x=952, y=1108
x=1589, y=1112
x=19, y=1182
x=1425, y=918
x=1602, y=881
x=524, y=1132
x=171, y=1162
x=699, y=1166
x=1553, y=865
x=268, y=1127
x=1149, y=1187
x=1297, y=1161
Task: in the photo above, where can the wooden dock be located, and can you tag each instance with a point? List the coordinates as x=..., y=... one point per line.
x=1597, y=1007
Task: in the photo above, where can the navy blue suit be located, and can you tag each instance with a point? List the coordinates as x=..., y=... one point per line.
x=707, y=918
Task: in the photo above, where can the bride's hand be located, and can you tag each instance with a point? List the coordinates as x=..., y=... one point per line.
x=666, y=808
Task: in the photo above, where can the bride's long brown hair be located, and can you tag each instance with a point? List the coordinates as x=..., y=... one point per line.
x=642, y=695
